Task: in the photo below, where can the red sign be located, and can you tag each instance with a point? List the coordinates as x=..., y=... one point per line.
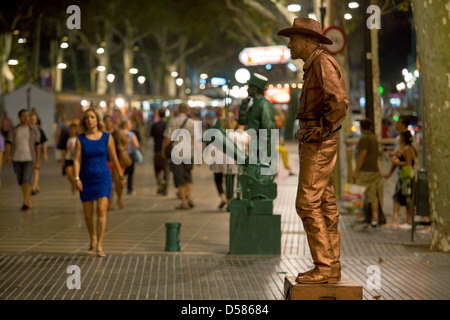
x=278, y=95
x=265, y=55
x=337, y=35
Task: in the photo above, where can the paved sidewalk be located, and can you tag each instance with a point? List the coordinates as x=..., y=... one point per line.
x=38, y=246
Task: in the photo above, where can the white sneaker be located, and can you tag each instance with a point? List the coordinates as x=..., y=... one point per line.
x=405, y=226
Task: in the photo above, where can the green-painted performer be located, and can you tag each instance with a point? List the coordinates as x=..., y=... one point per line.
x=261, y=114
x=254, y=229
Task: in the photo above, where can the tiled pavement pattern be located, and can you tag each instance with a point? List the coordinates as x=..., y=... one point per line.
x=37, y=247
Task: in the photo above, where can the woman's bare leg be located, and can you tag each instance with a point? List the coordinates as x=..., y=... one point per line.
x=88, y=208
x=102, y=205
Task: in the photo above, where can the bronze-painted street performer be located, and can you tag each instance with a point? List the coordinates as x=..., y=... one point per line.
x=322, y=109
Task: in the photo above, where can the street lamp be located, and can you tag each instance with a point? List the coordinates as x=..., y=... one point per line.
x=64, y=45
x=141, y=79
x=110, y=77
x=61, y=66
x=120, y=102
x=242, y=75
x=179, y=82
x=294, y=8
x=133, y=71
x=13, y=62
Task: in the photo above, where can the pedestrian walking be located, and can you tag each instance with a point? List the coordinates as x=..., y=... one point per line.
x=182, y=170
x=68, y=154
x=227, y=169
x=62, y=134
x=6, y=124
x=92, y=175
x=23, y=150
x=322, y=109
x=405, y=158
x=367, y=171
x=133, y=145
x=34, y=121
x=160, y=163
x=2, y=150
x=121, y=143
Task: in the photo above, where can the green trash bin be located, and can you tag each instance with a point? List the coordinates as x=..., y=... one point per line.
x=172, y=233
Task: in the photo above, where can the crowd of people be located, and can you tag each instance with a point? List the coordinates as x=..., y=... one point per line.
x=404, y=161
x=98, y=156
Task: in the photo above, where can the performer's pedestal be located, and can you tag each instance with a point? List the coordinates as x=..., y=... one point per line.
x=254, y=231
x=346, y=289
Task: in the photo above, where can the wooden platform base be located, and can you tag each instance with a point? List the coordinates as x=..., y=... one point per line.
x=346, y=289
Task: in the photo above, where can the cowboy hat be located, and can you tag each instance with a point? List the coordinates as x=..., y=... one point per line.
x=308, y=27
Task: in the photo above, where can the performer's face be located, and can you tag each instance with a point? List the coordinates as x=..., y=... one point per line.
x=298, y=45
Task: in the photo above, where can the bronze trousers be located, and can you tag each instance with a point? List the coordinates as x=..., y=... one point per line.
x=316, y=202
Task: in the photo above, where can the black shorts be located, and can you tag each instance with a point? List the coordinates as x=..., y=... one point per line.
x=399, y=197
x=181, y=173
x=68, y=163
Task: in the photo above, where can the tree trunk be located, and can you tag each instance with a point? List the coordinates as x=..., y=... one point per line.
x=36, y=50
x=58, y=71
x=6, y=74
x=128, y=59
x=432, y=21
x=103, y=59
x=376, y=83
x=171, y=87
x=74, y=63
x=102, y=84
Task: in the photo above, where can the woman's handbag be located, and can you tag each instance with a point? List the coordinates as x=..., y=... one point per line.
x=138, y=156
x=124, y=158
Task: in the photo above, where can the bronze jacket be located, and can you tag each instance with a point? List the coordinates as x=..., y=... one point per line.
x=324, y=98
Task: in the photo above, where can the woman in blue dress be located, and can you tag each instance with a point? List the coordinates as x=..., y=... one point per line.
x=92, y=175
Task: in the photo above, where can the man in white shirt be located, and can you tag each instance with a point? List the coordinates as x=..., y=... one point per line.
x=184, y=164
x=22, y=149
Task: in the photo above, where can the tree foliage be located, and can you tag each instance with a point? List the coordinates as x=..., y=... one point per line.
x=159, y=34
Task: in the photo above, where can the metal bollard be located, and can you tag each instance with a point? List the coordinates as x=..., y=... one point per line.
x=172, y=232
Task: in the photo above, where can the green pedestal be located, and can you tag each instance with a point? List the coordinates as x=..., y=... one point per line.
x=238, y=206
x=255, y=234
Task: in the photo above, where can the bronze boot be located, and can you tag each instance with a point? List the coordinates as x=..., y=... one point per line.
x=317, y=276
